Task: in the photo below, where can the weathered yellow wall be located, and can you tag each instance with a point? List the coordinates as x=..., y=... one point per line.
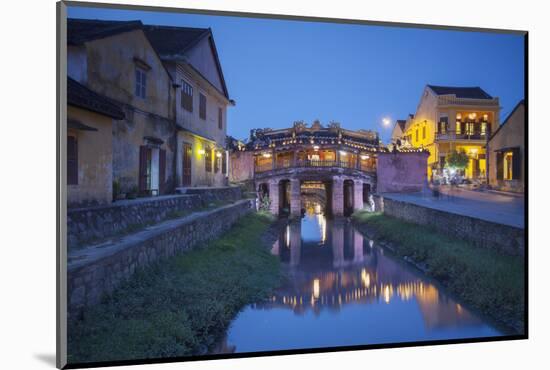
x=94, y=159
x=512, y=134
x=214, y=100
x=111, y=72
x=425, y=116
x=199, y=176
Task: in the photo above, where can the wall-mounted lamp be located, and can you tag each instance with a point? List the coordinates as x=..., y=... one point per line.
x=316, y=147
x=343, y=153
x=363, y=157
x=219, y=154
x=201, y=151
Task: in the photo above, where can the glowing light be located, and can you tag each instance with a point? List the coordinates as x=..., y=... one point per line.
x=472, y=115
x=386, y=121
x=388, y=292
x=459, y=116
x=316, y=147
x=343, y=153
x=316, y=288
x=485, y=117
x=363, y=157
x=287, y=236
x=266, y=155
x=219, y=154
x=371, y=243
x=201, y=151
x=365, y=278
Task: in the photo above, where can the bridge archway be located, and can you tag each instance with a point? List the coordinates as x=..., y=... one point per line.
x=348, y=197
x=340, y=193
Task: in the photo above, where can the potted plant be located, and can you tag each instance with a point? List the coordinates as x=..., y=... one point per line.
x=117, y=193
x=132, y=193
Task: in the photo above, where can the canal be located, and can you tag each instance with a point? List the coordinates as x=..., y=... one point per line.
x=341, y=290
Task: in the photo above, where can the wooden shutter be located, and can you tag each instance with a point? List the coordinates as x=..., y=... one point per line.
x=516, y=164
x=500, y=166
x=216, y=163
x=208, y=160
x=220, y=118
x=162, y=170
x=187, y=96
x=202, y=106
x=187, y=154
x=142, y=180
x=72, y=160
x=224, y=162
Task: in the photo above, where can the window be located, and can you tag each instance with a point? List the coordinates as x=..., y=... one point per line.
x=141, y=83
x=508, y=170
x=423, y=132
x=483, y=128
x=72, y=160
x=470, y=128
x=208, y=160
x=186, y=96
x=443, y=123
x=416, y=135
x=220, y=118
x=458, y=127
x=202, y=106
x=509, y=164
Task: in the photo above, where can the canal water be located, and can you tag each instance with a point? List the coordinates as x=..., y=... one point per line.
x=342, y=290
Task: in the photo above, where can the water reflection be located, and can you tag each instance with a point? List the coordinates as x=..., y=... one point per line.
x=343, y=290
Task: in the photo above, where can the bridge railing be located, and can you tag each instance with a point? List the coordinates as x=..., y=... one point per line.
x=314, y=164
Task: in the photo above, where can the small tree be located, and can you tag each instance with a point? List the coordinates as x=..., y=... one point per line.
x=457, y=160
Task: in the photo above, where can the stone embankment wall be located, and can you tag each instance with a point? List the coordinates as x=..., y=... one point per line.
x=505, y=238
x=85, y=225
x=96, y=271
x=209, y=194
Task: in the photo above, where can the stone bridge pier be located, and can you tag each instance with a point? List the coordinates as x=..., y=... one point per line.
x=344, y=194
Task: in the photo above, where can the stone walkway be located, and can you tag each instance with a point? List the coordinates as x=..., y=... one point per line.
x=498, y=208
x=92, y=253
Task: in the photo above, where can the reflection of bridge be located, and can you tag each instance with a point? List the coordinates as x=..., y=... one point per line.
x=345, y=268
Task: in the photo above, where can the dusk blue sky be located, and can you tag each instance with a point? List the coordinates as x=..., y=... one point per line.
x=280, y=71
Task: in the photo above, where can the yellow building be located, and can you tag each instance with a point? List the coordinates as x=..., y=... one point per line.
x=453, y=119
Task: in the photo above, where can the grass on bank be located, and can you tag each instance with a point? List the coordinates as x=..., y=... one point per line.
x=485, y=279
x=180, y=306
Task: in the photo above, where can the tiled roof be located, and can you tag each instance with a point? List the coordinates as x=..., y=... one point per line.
x=174, y=41
x=169, y=42
x=82, y=30
x=401, y=123
x=80, y=96
x=461, y=92
x=519, y=104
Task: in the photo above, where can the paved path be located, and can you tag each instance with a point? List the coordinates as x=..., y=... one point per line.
x=503, y=209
